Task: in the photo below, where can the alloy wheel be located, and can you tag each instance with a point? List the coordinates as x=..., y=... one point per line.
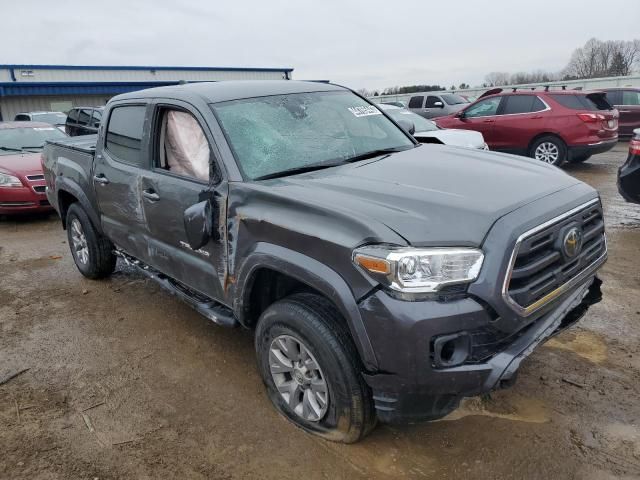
x=79, y=242
x=298, y=377
x=547, y=152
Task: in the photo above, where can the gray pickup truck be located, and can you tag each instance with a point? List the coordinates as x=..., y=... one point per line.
x=384, y=279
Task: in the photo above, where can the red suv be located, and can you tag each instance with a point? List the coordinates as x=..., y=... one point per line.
x=552, y=126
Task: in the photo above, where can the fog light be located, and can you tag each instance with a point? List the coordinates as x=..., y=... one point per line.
x=451, y=350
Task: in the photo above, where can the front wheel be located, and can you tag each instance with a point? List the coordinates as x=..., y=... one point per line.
x=312, y=370
x=549, y=149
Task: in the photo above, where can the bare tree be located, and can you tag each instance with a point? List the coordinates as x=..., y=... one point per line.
x=600, y=59
x=495, y=79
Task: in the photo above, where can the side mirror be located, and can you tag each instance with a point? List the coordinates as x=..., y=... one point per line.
x=460, y=114
x=438, y=104
x=407, y=125
x=198, y=220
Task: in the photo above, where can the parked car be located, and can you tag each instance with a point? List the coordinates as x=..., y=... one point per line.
x=627, y=101
x=57, y=119
x=395, y=104
x=382, y=278
x=22, y=186
x=83, y=121
x=436, y=104
x=426, y=131
x=551, y=126
x=629, y=173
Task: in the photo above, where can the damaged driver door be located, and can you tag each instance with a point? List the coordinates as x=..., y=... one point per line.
x=183, y=191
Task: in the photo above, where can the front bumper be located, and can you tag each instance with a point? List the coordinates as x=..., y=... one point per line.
x=424, y=392
x=629, y=179
x=14, y=200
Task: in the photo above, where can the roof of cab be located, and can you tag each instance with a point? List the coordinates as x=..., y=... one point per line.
x=9, y=125
x=213, y=92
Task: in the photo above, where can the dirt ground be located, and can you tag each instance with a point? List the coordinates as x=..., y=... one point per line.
x=125, y=381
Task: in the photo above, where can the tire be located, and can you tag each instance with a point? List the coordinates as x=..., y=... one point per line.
x=581, y=158
x=348, y=414
x=91, y=252
x=549, y=149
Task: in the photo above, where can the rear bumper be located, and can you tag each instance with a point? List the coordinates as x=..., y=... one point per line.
x=428, y=393
x=577, y=151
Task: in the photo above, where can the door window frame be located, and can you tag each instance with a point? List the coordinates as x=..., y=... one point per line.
x=159, y=106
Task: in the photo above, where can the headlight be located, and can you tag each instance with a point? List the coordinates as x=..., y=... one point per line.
x=419, y=270
x=9, y=181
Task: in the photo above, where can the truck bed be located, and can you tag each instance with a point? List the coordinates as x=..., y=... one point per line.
x=83, y=143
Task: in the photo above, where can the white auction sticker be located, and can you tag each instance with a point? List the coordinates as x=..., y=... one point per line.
x=365, y=111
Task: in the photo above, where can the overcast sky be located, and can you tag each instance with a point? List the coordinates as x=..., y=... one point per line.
x=371, y=44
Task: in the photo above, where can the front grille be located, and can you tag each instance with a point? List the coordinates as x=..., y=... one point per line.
x=39, y=188
x=540, y=265
x=35, y=178
x=16, y=204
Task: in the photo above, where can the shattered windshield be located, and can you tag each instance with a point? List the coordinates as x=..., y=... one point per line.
x=288, y=132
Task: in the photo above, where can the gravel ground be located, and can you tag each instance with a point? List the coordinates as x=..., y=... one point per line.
x=125, y=381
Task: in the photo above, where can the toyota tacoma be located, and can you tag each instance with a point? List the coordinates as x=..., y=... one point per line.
x=384, y=279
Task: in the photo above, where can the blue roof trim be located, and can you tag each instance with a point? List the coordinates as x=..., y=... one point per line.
x=148, y=67
x=21, y=89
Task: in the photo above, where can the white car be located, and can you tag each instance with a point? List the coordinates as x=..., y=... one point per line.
x=427, y=131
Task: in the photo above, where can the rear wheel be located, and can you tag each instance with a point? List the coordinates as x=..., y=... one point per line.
x=92, y=253
x=311, y=368
x=549, y=149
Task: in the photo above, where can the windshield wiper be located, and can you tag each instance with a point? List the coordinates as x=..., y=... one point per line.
x=297, y=170
x=10, y=149
x=374, y=153
x=31, y=148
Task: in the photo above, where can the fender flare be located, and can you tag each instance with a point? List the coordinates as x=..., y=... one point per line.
x=64, y=184
x=313, y=273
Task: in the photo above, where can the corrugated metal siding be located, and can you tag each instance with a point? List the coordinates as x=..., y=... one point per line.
x=10, y=106
x=62, y=75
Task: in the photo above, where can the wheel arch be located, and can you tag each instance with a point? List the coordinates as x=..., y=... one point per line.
x=544, y=134
x=314, y=276
x=69, y=192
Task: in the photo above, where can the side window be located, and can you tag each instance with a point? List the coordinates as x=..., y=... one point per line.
x=431, y=100
x=22, y=118
x=182, y=146
x=124, y=134
x=84, y=116
x=614, y=97
x=72, y=117
x=484, y=108
x=519, y=104
x=416, y=102
x=630, y=97
x=538, y=105
x=96, y=118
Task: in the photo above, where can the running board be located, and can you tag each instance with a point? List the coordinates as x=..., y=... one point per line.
x=202, y=304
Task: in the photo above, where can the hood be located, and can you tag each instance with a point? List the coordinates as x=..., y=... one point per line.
x=431, y=194
x=21, y=163
x=455, y=137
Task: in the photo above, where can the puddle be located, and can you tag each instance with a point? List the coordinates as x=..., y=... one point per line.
x=513, y=407
x=584, y=344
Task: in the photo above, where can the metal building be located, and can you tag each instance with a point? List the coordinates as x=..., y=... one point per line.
x=28, y=88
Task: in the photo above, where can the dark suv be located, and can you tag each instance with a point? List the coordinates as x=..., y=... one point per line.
x=627, y=101
x=83, y=121
x=552, y=126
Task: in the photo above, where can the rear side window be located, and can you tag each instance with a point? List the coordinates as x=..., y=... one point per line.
x=124, y=133
x=416, y=102
x=522, y=104
x=73, y=115
x=84, y=116
x=96, y=118
x=593, y=101
x=613, y=97
x=630, y=97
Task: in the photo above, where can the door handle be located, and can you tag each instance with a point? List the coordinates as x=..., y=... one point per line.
x=101, y=179
x=149, y=194
x=488, y=121
x=536, y=117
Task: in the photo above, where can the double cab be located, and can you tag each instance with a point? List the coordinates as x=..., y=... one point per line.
x=382, y=278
